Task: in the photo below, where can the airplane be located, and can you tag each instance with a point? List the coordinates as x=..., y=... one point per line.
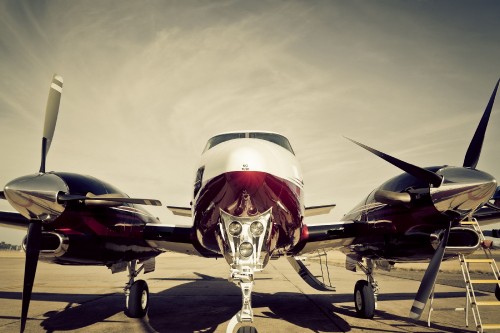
x=248, y=207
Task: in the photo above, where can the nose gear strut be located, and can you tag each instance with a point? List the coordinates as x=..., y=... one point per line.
x=245, y=279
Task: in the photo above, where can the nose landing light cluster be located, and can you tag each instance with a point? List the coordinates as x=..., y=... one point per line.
x=256, y=229
x=243, y=238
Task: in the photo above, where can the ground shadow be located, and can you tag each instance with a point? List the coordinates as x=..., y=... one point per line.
x=203, y=304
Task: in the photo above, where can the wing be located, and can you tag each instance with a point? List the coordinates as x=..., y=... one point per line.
x=329, y=236
x=169, y=237
x=175, y=238
x=180, y=211
x=13, y=220
x=318, y=210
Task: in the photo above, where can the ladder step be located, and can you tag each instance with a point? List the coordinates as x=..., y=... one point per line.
x=484, y=281
x=479, y=260
x=468, y=222
x=490, y=326
x=448, y=309
x=488, y=303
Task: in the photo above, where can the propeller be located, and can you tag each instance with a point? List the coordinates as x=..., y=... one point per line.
x=418, y=172
x=474, y=150
x=110, y=199
x=429, y=278
x=34, y=237
x=33, y=241
x=51, y=113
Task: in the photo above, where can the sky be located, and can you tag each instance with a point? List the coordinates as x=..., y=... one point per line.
x=147, y=83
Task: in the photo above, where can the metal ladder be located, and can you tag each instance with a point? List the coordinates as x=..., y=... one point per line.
x=471, y=302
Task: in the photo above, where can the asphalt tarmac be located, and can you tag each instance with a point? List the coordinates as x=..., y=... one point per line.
x=190, y=294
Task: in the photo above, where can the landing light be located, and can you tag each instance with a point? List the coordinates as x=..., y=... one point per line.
x=235, y=228
x=246, y=249
x=256, y=228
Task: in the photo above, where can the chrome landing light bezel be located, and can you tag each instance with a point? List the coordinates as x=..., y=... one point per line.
x=257, y=228
x=246, y=249
x=234, y=228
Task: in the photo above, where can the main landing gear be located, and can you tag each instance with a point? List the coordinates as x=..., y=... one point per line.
x=366, y=291
x=136, y=292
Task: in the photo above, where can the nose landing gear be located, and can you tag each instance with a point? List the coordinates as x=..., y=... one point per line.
x=246, y=281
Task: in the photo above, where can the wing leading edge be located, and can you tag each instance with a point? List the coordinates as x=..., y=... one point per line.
x=318, y=210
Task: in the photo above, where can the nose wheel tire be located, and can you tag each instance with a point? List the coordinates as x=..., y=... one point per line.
x=138, y=300
x=364, y=299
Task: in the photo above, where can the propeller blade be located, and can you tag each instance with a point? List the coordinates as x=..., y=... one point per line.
x=420, y=173
x=474, y=150
x=2, y=195
x=51, y=112
x=429, y=278
x=32, y=250
x=107, y=199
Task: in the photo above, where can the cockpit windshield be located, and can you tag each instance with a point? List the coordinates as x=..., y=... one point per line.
x=278, y=139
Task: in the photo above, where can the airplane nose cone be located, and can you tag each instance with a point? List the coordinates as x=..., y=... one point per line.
x=35, y=196
x=463, y=190
x=251, y=155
